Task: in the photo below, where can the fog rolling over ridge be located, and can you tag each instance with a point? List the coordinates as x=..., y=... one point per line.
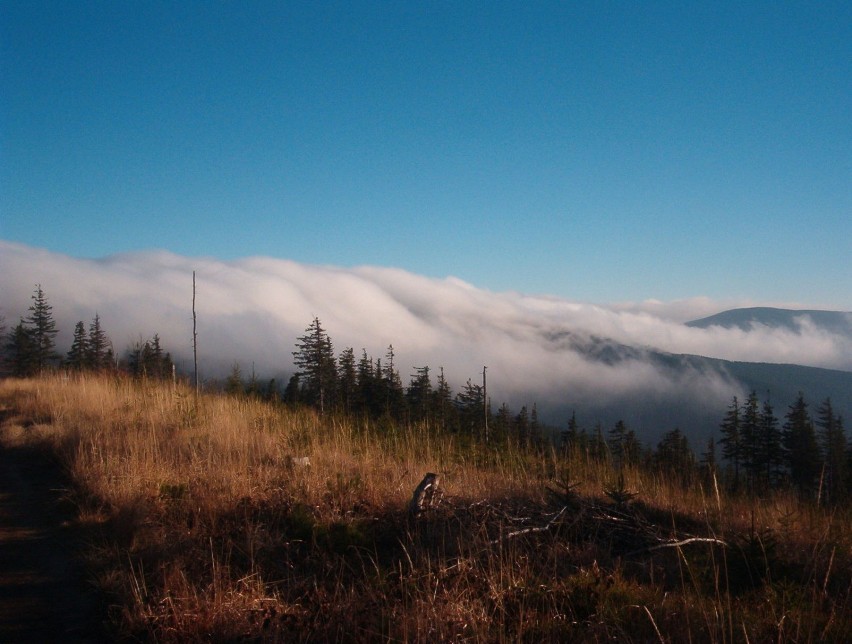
x=637, y=362
x=835, y=322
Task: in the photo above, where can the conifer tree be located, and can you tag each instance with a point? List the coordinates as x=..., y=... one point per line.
x=3, y=346
x=616, y=442
x=848, y=461
x=771, y=453
x=569, y=437
x=154, y=358
x=833, y=442
x=750, y=440
x=584, y=442
x=293, y=390
x=419, y=394
x=470, y=403
x=502, y=423
x=20, y=353
x=76, y=358
x=801, y=451
x=234, y=382
x=161, y=360
x=135, y=363
x=392, y=386
x=731, y=442
x=442, y=398
x=316, y=366
x=674, y=454
x=100, y=355
x=597, y=444
x=367, y=389
x=708, y=459
x=42, y=329
x=536, y=436
x=522, y=427
x=253, y=388
x=633, y=451
x=271, y=393
x=148, y=360
x=347, y=380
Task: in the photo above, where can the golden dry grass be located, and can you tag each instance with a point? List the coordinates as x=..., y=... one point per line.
x=204, y=529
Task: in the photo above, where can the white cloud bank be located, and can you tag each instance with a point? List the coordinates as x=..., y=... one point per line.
x=251, y=311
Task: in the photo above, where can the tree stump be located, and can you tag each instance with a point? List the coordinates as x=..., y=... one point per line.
x=426, y=496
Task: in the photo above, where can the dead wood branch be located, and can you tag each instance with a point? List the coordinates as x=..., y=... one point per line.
x=518, y=533
x=678, y=544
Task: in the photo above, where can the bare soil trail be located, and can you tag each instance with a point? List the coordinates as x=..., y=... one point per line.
x=44, y=596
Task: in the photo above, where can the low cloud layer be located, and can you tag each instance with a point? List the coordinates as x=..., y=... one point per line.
x=251, y=311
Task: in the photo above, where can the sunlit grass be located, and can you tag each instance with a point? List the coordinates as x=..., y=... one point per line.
x=207, y=526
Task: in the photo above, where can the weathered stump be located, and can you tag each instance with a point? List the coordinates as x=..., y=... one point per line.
x=426, y=496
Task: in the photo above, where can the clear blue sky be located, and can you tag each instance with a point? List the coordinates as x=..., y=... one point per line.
x=596, y=151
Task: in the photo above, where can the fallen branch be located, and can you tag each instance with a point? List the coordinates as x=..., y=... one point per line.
x=518, y=533
x=678, y=544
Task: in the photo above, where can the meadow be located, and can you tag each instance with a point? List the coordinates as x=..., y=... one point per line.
x=204, y=523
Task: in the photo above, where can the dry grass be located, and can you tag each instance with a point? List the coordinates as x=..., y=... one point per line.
x=204, y=529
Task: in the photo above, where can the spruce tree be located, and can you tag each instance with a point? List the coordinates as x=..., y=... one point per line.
x=158, y=362
x=253, y=388
x=139, y=359
x=616, y=442
x=750, y=440
x=848, y=460
x=419, y=394
x=20, y=352
x=522, y=427
x=633, y=451
x=731, y=442
x=771, y=452
x=347, y=380
x=316, y=366
x=442, y=398
x=292, y=392
x=148, y=360
x=367, y=390
x=597, y=444
x=76, y=359
x=234, y=382
x=569, y=437
x=42, y=329
x=536, y=434
x=708, y=460
x=502, y=423
x=100, y=355
x=674, y=454
x=392, y=386
x=271, y=394
x=833, y=443
x=3, y=341
x=470, y=403
x=801, y=452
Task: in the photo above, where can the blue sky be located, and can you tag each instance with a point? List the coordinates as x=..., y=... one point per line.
x=595, y=151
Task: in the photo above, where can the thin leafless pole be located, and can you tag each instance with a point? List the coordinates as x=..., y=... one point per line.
x=485, y=402
x=194, y=337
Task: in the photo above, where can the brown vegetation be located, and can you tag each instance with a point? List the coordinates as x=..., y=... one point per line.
x=206, y=525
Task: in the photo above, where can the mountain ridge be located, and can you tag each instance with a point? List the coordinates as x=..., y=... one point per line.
x=779, y=383
x=839, y=322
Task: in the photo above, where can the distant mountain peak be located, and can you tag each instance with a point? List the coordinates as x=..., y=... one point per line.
x=837, y=322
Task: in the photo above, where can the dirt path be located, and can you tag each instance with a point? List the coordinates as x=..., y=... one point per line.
x=43, y=593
